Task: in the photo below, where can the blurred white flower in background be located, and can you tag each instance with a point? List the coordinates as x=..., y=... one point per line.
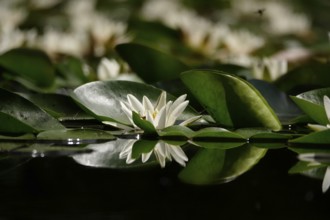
x=282, y=19
x=56, y=42
x=269, y=69
x=162, y=151
x=43, y=4
x=107, y=33
x=110, y=69
x=242, y=42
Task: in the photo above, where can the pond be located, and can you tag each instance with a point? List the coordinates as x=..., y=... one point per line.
x=43, y=182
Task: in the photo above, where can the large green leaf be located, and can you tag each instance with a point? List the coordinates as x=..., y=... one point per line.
x=73, y=71
x=213, y=166
x=150, y=64
x=18, y=115
x=102, y=98
x=306, y=77
x=283, y=106
x=30, y=64
x=231, y=101
x=59, y=106
x=311, y=103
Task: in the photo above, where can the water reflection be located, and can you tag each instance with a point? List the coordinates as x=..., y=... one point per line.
x=319, y=167
x=162, y=150
x=125, y=153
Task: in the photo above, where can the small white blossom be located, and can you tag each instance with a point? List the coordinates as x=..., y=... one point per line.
x=273, y=67
x=162, y=151
x=108, y=69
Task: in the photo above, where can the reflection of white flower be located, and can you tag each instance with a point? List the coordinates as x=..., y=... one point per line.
x=316, y=127
x=311, y=157
x=162, y=151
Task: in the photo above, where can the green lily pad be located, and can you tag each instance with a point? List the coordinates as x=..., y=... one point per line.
x=315, y=138
x=59, y=106
x=75, y=136
x=231, y=101
x=18, y=115
x=214, y=166
x=311, y=103
x=306, y=77
x=102, y=98
x=215, y=133
x=285, y=109
x=73, y=71
x=150, y=64
x=6, y=147
x=34, y=65
x=176, y=131
x=19, y=137
x=212, y=144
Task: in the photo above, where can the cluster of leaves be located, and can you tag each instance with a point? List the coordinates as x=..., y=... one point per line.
x=245, y=117
x=55, y=106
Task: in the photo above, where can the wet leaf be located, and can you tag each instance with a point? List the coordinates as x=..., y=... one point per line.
x=231, y=101
x=18, y=115
x=150, y=64
x=59, y=106
x=34, y=65
x=311, y=103
x=303, y=78
x=314, y=138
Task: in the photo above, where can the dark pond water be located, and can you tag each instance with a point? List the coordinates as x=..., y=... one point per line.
x=60, y=188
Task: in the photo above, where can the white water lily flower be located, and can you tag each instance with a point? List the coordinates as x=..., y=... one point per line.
x=316, y=127
x=108, y=69
x=163, y=114
x=274, y=67
x=162, y=151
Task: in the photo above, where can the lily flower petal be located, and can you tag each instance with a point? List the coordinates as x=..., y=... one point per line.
x=161, y=101
x=147, y=104
x=135, y=104
x=326, y=101
x=160, y=120
x=176, y=113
